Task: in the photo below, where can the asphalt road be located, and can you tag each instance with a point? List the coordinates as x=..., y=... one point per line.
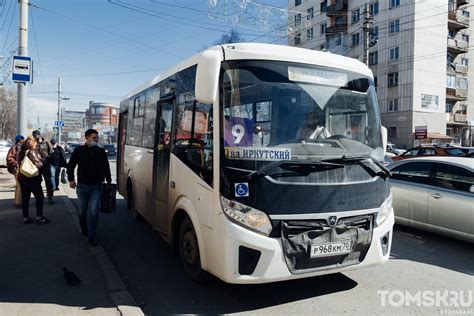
x=419, y=262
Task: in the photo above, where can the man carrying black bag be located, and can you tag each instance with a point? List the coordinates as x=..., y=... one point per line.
x=93, y=168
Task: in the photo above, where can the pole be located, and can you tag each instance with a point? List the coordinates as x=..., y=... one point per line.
x=366, y=28
x=59, y=110
x=22, y=93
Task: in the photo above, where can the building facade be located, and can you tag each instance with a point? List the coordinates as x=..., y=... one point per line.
x=104, y=118
x=74, y=125
x=419, y=56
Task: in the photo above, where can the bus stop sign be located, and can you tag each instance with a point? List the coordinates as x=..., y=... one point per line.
x=22, y=69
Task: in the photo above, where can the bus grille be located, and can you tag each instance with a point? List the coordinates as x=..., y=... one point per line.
x=298, y=236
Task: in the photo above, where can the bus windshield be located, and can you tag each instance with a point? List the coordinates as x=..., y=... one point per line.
x=276, y=111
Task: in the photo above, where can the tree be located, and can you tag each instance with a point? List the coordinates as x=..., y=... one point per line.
x=7, y=114
x=233, y=37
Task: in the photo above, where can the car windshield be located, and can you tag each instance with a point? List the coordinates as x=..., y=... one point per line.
x=285, y=111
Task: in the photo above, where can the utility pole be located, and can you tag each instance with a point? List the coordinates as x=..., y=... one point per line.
x=59, y=109
x=22, y=92
x=367, y=29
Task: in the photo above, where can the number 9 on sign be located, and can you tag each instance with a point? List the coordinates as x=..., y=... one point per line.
x=238, y=131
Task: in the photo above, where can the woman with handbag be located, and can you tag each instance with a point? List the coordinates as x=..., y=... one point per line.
x=30, y=180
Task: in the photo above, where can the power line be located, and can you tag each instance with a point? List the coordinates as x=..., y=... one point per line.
x=36, y=45
x=9, y=28
x=111, y=73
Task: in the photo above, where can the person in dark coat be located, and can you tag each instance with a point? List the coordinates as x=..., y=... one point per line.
x=31, y=184
x=57, y=160
x=93, y=168
x=13, y=164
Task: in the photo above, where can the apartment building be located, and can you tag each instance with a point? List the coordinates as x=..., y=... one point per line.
x=419, y=56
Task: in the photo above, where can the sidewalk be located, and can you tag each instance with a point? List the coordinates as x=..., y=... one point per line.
x=32, y=257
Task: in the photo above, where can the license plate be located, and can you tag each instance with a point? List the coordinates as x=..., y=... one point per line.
x=330, y=249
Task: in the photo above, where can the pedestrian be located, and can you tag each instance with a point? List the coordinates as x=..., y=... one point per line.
x=13, y=164
x=45, y=149
x=31, y=184
x=93, y=168
x=57, y=161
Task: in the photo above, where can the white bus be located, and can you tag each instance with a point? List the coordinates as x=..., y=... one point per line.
x=260, y=163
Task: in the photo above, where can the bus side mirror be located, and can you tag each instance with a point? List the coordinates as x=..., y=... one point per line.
x=384, y=139
x=207, y=76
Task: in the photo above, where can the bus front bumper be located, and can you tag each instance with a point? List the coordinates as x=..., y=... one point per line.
x=271, y=265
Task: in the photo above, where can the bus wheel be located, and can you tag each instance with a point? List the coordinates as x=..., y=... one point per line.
x=189, y=252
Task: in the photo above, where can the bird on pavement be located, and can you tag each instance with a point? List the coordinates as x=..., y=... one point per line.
x=71, y=278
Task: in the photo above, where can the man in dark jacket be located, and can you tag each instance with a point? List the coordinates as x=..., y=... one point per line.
x=44, y=149
x=93, y=168
x=13, y=164
x=57, y=160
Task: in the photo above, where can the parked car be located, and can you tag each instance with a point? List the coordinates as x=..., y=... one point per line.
x=430, y=150
x=110, y=149
x=388, y=159
x=4, y=148
x=435, y=194
x=71, y=147
x=392, y=148
x=469, y=151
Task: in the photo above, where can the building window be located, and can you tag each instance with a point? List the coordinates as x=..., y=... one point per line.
x=394, y=26
x=309, y=33
x=392, y=131
x=323, y=27
x=465, y=38
x=298, y=19
x=297, y=2
x=393, y=105
x=310, y=13
x=393, y=79
x=449, y=108
x=297, y=38
x=375, y=82
x=339, y=39
x=340, y=20
x=465, y=13
x=394, y=53
x=355, y=16
x=355, y=39
x=394, y=3
x=324, y=6
x=375, y=32
x=451, y=81
x=373, y=58
x=464, y=61
x=374, y=8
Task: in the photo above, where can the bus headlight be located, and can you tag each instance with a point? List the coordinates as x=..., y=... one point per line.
x=385, y=210
x=247, y=216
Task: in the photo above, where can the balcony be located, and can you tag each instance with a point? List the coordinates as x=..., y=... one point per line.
x=459, y=118
x=457, y=46
x=462, y=2
x=456, y=94
x=456, y=68
x=338, y=7
x=457, y=21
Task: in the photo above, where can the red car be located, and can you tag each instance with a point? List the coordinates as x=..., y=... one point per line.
x=429, y=150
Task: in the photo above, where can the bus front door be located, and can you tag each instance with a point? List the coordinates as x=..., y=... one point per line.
x=120, y=171
x=162, y=161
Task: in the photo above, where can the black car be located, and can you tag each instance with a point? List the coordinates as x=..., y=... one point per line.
x=110, y=150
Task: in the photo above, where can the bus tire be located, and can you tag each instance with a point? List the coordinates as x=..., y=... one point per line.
x=131, y=203
x=189, y=252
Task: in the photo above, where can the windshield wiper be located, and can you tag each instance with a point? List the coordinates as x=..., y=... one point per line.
x=367, y=162
x=297, y=166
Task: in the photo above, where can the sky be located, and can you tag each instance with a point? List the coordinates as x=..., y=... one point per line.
x=103, y=49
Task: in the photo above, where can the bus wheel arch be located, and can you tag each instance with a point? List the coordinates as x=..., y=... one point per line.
x=186, y=243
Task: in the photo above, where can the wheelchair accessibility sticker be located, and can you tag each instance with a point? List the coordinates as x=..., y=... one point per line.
x=242, y=189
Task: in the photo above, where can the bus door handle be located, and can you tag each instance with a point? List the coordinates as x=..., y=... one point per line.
x=436, y=195
x=172, y=184
x=150, y=151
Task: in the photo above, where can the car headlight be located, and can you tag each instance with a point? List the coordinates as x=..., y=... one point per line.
x=385, y=210
x=247, y=216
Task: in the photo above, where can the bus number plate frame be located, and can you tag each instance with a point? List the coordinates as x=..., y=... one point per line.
x=329, y=249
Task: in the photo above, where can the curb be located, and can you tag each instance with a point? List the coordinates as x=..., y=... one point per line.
x=118, y=291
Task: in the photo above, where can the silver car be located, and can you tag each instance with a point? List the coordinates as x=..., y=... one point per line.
x=435, y=194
